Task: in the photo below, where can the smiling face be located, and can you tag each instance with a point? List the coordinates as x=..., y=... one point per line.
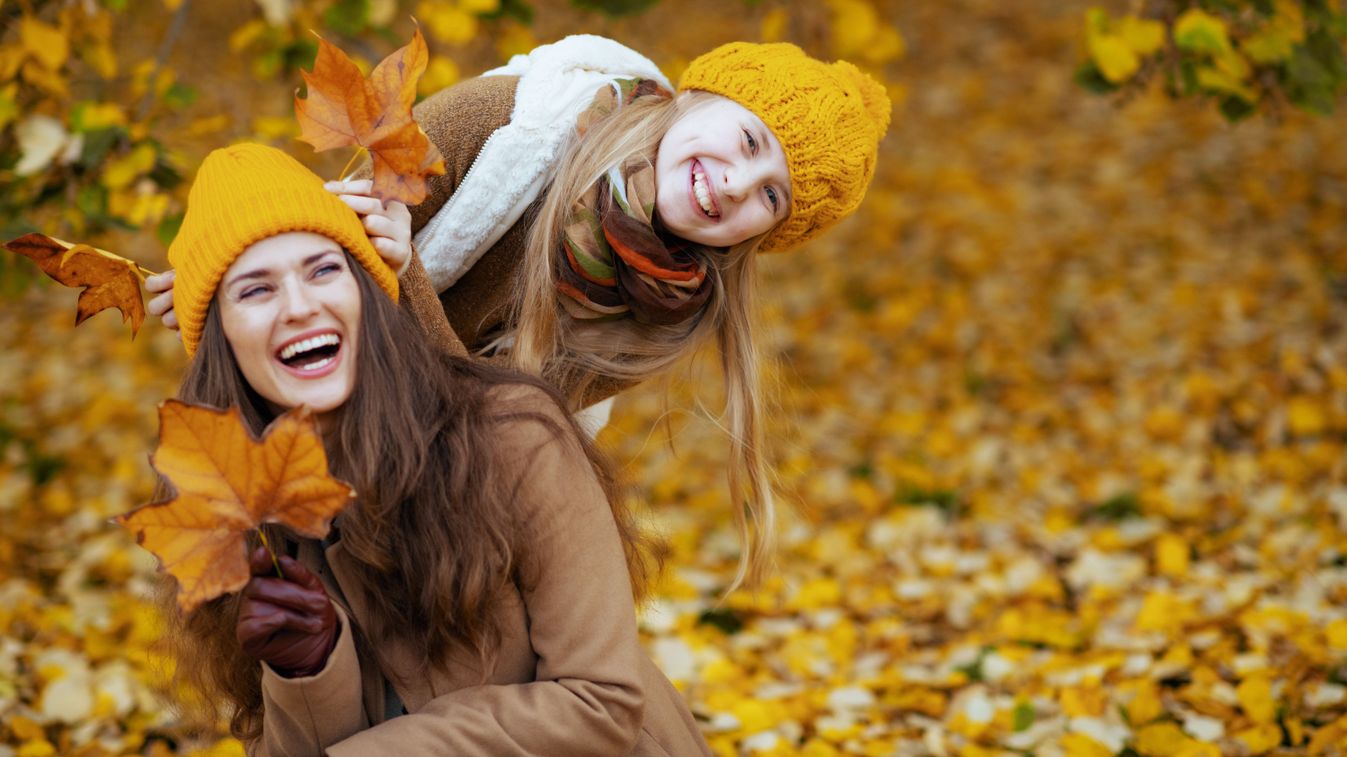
x=290, y=308
x=721, y=174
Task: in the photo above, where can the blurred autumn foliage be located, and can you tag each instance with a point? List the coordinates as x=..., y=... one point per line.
x=1245, y=54
x=1061, y=411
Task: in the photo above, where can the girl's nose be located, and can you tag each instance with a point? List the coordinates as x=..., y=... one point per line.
x=734, y=186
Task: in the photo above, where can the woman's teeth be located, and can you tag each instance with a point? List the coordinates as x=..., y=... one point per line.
x=294, y=353
x=703, y=194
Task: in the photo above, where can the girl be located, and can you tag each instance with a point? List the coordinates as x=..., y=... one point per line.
x=596, y=239
x=477, y=598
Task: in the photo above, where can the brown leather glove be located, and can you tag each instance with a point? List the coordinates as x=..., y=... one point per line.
x=288, y=623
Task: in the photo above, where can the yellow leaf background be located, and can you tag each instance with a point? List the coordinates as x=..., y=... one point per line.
x=1060, y=417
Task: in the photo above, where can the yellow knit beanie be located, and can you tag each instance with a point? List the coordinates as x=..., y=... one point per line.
x=243, y=194
x=829, y=118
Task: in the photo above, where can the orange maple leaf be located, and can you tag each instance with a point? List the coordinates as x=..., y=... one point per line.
x=228, y=484
x=344, y=109
x=109, y=281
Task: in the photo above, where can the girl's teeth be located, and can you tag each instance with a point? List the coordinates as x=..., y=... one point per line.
x=317, y=365
x=703, y=195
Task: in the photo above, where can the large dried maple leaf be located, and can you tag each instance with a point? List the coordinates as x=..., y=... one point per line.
x=345, y=109
x=109, y=281
x=228, y=484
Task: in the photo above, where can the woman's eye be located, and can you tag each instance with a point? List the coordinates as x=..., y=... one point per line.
x=250, y=291
x=771, y=196
x=752, y=143
x=323, y=270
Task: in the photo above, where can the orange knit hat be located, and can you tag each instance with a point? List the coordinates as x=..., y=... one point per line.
x=829, y=118
x=243, y=194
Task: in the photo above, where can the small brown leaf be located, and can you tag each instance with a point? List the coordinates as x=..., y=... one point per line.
x=109, y=281
x=227, y=484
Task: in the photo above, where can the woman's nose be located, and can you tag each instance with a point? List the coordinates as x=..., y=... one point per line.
x=299, y=301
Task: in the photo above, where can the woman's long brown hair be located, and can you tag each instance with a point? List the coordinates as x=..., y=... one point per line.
x=433, y=531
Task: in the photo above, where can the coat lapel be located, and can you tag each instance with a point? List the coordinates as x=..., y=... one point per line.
x=393, y=661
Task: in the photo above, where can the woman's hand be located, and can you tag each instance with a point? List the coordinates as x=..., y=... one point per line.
x=289, y=622
x=162, y=305
x=389, y=224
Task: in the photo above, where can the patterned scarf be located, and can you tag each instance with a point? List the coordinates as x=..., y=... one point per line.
x=614, y=261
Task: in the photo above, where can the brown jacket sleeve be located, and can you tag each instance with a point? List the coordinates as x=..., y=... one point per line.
x=302, y=716
x=588, y=696
x=418, y=296
x=458, y=120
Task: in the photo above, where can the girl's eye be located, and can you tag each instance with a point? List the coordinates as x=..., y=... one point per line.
x=327, y=268
x=771, y=195
x=752, y=143
x=250, y=291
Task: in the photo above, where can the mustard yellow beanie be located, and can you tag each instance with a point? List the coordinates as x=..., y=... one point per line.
x=829, y=118
x=243, y=194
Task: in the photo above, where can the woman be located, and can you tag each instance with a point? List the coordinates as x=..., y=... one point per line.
x=478, y=596
x=597, y=239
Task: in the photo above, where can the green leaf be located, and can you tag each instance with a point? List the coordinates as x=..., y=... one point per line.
x=941, y=499
x=1023, y=716
x=615, y=8
x=165, y=175
x=974, y=669
x=168, y=228
x=1088, y=78
x=1236, y=108
x=92, y=201
x=179, y=96
x=348, y=17
x=723, y=618
x=1188, y=76
x=301, y=54
x=1118, y=507
x=16, y=228
x=1309, y=84
x=1199, y=32
x=519, y=10
x=97, y=143
x=1328, y=51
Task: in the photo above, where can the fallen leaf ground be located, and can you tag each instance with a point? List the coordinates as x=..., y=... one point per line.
x=1060, y=420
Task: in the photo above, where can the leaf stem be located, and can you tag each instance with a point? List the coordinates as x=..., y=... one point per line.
x=263, y=536
x=359, y=151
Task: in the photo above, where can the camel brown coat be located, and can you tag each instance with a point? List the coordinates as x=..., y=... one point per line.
x=569, y=677
x=463, y=318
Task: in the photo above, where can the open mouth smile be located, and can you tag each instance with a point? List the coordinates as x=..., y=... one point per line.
x=703, y=199
x=311, y=355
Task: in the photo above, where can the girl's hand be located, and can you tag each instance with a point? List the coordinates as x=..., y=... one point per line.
x=287, y=622
x=162, y=305
x=389, y=224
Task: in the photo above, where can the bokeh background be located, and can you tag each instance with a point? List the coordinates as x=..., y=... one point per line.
x=1059, y=414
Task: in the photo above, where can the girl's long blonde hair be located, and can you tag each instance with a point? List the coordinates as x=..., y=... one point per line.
x=572, y=353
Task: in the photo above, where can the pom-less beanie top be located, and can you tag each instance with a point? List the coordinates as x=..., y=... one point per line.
x=829, y=118
x=243, y=194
